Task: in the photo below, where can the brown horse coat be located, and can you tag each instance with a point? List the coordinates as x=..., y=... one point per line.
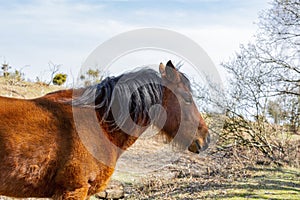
x=41, y=154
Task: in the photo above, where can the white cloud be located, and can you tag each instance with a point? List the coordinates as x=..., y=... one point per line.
x=65, y=32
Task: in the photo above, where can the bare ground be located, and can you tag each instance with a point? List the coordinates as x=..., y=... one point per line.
x=214, y=174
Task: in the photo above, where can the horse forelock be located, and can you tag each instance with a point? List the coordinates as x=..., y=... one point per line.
x=128, y=95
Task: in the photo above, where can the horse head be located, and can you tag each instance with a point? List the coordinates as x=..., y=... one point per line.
x=183, y=124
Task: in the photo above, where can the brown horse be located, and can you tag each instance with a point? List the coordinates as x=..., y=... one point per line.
x=51, y=147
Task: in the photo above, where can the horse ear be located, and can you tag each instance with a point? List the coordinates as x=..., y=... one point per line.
x=162, y=69
x=171, y=72
x=170, y=64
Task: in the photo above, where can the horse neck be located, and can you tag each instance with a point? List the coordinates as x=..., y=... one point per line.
x=124, y=132
x=122, y=137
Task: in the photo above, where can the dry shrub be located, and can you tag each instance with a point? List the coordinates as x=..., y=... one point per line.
x=272, y=143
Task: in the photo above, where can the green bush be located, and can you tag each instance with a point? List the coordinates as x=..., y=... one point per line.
x=59, y=79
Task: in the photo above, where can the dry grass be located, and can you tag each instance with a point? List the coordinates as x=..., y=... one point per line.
x=23, y=89
x=217, y=176
x=232, y=173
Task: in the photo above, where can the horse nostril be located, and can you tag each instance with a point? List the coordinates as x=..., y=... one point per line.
x=205, y=145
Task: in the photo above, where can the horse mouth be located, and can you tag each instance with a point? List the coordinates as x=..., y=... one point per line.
x=197, y=146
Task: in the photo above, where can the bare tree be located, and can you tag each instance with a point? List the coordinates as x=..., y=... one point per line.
x=53, y=68
x=262, y=72
x=278, y=44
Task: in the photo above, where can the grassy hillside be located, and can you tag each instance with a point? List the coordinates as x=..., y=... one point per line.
x=23, y=89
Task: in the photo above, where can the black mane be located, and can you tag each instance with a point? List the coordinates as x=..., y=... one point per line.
x=130, y=94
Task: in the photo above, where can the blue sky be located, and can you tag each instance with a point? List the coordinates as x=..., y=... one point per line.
x=66, y=31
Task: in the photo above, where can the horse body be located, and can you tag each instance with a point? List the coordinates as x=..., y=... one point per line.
x=41, y=154
x=44, y=153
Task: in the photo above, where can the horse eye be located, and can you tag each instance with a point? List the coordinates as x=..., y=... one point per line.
x=188, y=99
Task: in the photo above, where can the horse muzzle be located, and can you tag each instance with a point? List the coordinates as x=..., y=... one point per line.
x=199, y=144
